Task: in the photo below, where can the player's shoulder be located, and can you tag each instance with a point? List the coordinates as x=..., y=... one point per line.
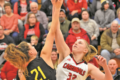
x=35, y=62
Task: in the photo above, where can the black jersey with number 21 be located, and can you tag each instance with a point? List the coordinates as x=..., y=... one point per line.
x=39, y=70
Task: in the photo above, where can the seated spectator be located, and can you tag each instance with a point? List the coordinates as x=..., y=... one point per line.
x=96, y=5
x=22, y=7
x=8, y=72
x=34, y=42
x=2, y=11
x=104, y=17
x=76, y=32
x=112, y=65
x=9, y=23
x=110, y=42
x=90, y=26
x=33, y=27
x=64, y=23
x=118, y=17
x=47, y=8
x=54, y=58
x=41, y=16
x=4, y=42
x=75, y=7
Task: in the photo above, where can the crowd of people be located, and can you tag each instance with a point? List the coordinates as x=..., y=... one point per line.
x=58, y=31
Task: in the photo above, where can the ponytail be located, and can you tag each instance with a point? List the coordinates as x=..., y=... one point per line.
x=18, y=55
x=92, y=51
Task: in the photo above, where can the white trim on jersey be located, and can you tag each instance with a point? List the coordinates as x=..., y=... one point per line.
x=68, y=69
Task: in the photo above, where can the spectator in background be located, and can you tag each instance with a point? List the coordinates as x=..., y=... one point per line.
x=33, y=27
x=112, y=65
x=4, y=42
x=54, y=58
x=75, y=7
x=90, y=26
x=8, y=72
x=2, y=11
x=104, y=17
x=64, y=23
x=96, y=5
x=47, y=8
x=110, y=42
x=22, y=7
x=76, y=32
x=118, y=16
x=41, y=16
x=34, y=42
x=9, y=22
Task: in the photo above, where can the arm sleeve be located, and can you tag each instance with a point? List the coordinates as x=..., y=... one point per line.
x=104, y=43
x=70, y=5
x=15, y=9
x=96, y=32
x=42, y=32
x=15, y=24
x=3, y=72
x=96, y=19
x=112, y=17
x=45, y=20
x=85, y=4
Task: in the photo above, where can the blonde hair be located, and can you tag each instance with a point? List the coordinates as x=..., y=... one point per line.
x=118, y=10
x=34, y=37
x=92, y=51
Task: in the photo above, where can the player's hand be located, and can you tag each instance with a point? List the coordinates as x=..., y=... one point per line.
x=57, y=3
x=102, y=61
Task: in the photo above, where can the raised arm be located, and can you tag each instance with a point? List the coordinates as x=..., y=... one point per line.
x=62, y=47
x=47, y=49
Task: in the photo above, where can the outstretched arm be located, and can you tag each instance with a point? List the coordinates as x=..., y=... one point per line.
x=47, y=49
x=62, y=47
x=100, y=76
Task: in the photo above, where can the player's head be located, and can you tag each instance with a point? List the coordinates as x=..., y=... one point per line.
x=82, y=47
x=34, y=39
x=20, y=55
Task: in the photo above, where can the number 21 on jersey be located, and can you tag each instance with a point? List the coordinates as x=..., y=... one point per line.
x=71, y=76
x=36, y=71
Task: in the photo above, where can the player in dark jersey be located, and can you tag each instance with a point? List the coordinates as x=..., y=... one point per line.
x=24, y=55
x=72, y=67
